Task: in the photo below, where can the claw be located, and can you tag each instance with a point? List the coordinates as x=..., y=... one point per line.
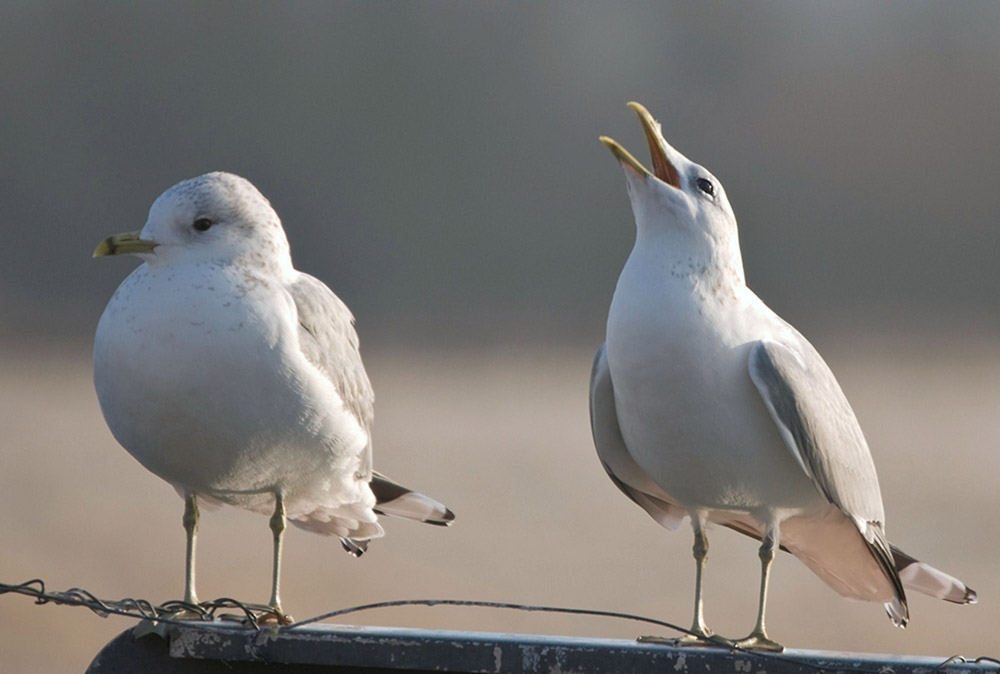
x=274, y=616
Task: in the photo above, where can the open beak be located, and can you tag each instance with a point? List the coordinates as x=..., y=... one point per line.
x=124, y=244
x=662, y=168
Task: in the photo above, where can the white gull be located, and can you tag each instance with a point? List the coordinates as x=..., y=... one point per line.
x=238, y=379
x=706, y=404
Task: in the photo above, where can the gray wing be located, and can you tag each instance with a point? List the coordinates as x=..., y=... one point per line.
x=330, y=343
x=618, y=463
x=820, y=430
x=818, y=425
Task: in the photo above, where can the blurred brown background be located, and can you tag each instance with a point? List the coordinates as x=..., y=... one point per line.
x=438, y=166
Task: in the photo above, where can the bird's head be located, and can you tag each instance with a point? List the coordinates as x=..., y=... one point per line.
x=217, y=217
x=676, y=197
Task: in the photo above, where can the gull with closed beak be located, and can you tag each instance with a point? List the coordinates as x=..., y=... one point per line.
x=237, y=378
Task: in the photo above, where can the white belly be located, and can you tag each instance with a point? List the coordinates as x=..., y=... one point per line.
x=158, y=363
x=688, y=410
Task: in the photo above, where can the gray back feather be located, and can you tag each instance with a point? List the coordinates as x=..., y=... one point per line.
x=818, y=425
x=329, y=341
x=822, y=433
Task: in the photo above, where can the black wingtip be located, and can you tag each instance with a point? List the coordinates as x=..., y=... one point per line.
x=445, y=520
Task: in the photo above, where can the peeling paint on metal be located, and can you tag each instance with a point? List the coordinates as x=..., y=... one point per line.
x=529, y=659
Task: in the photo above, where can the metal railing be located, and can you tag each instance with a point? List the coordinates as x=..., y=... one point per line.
x=227, y=635
x=344, y=648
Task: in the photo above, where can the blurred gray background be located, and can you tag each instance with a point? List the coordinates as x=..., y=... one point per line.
x=437, y=164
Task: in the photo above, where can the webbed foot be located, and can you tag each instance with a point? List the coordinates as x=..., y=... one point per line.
x=759, y=641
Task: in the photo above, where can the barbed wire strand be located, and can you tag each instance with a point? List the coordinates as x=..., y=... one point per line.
x=250, y=615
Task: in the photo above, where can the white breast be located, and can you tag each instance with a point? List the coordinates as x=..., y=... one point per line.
x=163, y=406
x=688, y=411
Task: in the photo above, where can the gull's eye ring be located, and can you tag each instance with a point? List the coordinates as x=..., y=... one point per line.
x=706, y=186
x=201, y=224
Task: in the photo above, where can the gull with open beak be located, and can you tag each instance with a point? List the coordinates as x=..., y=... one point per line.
x=706, y=404
x=237, y=378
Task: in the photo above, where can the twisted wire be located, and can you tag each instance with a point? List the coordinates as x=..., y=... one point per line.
x=250, y=615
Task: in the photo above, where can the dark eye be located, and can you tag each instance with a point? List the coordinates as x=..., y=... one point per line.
x=202, y=224
x=706, y=186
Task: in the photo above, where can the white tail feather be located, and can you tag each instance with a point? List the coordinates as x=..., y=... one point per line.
x=395, y=500
x=416, y=506
x=926, y=579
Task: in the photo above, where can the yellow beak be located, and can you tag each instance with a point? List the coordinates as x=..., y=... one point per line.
x=124, y=244
x=662, y=167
